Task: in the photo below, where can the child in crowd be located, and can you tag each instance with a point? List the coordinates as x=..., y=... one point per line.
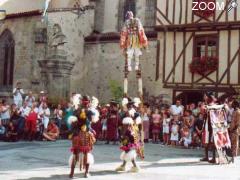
x=174, y=131
x=11, y=135
x=186, y=139
x=166, y=128
x=156, y=125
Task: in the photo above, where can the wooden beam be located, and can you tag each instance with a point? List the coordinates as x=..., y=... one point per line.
x=180, y=55
x=180, y=17
x=164, y=54
x=174, y=9
x=157, y=60
x=213, y=26
x=167, y=5
x=174, y=54
x=229, y=55
x=225, y=9
x=184, y=57
x=239, y=57
x=228, y=68
x=163, y=15
x=186, y=12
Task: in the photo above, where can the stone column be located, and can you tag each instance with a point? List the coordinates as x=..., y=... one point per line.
x=56, y=77
x=55, y=68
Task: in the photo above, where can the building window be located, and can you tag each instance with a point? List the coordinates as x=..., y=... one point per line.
x=150, y=17
x=205, y=46
x=6, y=59
x=124, y=6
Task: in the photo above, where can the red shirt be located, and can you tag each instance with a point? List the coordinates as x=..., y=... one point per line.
x=32, y=116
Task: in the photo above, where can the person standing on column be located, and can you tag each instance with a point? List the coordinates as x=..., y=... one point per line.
x=18, y=95
x=133, y=38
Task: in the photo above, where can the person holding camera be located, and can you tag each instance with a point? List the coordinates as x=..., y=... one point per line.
x=18, y=95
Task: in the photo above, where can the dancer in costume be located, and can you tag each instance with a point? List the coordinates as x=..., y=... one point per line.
x=133, y=38
x=129, y=145
x=82, y=146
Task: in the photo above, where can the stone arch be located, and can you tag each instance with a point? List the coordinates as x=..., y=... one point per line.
x=7, y=51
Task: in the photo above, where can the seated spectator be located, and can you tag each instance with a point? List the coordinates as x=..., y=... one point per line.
x=31, y=124
x=58, y=115
x=52, y=132
x=2, y=131
x=11, y=133
x=186, y=137
x=4, y=113
x=44, y=113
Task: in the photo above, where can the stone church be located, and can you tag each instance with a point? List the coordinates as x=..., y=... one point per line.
x=74, y=48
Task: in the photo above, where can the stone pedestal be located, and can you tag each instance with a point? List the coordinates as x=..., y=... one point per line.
x=56, y=77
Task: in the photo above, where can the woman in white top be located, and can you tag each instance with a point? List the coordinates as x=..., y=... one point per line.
x=44, y=113
x=145, y=112
x=166, y=128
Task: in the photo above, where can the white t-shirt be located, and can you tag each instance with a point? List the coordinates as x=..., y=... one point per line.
x=17, y=94
x=176, y=110
x=25, y=111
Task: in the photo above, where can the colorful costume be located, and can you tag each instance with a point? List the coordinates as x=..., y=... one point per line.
x=235, y=132
x=218, y=135
x=133, y=38
x=129, y=145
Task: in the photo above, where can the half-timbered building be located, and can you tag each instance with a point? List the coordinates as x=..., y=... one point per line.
x=199, y=50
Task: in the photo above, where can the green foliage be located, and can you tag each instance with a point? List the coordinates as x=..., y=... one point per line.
x=116, y=90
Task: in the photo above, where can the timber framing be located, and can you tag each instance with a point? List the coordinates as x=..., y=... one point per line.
x=210, y=26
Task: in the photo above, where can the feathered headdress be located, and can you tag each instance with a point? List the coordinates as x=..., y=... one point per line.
x=136, y=101
x=124, y=102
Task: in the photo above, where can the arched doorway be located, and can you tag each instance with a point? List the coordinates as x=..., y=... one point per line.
x=7, y=48
x=188, y=97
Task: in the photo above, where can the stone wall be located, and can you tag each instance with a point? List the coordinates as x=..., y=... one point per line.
x=105, y=62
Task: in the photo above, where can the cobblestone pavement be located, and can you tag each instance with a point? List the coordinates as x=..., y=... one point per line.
x=49, y=160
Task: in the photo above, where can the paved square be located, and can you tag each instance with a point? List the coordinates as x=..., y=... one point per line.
x=49, y=160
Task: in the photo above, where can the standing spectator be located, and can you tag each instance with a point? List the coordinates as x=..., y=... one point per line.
x=146, y=122
x=23, y=112
x=44, y=113
x=166, y=128
x=18, y=94
x=235, y=128
x=31, y=124
x=58, y=115
x=2, y=131
x=177, y=109
x=156, y=125
x=229, y=111
x=43, y=98
x=197, y=134
x=30, y=99
x=112, y=123
x=174, y=131
x=4, y=113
